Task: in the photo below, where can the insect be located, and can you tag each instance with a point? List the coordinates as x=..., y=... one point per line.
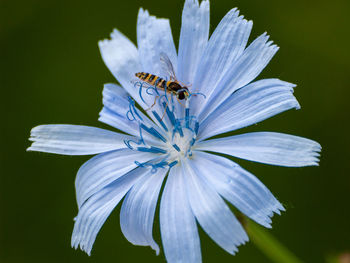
x=171, y=86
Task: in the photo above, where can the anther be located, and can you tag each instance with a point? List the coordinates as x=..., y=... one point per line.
x=170, y=114
x=177, y=148
x=152, y=149
x=172, y=164
x=153, y=132
x=155, y=114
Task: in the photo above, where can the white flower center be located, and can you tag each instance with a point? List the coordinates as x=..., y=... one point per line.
x=180, y=146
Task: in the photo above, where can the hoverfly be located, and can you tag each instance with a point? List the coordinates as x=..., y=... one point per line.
x=171, y=86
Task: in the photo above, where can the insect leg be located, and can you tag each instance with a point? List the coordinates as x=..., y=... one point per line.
x=154, y=103
x=166, y=106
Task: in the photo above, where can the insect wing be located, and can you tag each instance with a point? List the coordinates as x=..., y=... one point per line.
x=167, y=66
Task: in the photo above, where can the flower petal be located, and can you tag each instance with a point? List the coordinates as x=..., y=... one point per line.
x=75, y=139
x=154, y=37
x=244, y=70
x=211, y=211
x=139, y=206
x=122, y=59
x=267, y=147
x=251, y=104
x=225, y=46
x=193, y=38
x=115, y=113
x=177, y=224
x=98, y=207
x=105, y=168
x=238, y=186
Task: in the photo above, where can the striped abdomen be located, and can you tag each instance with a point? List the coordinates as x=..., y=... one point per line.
x=151, y=79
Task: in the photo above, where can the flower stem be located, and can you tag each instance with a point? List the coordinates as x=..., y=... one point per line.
x=268, y=244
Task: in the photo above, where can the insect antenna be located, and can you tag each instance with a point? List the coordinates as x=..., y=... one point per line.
x=197, y=93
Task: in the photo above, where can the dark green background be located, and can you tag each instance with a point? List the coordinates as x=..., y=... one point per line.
x=51, y=72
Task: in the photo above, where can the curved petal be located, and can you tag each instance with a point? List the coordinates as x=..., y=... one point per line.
x=139, y=206
x=238, y=186
x=267, y=147
x=98, y=207
x=122, y=59
x=75, y=139
x=249, y=65
x=116, y=106
x=251, y=104
x=193, y=38
x=177, y=224
x=154, y=37
x=225, y=46
x=105, y=168
x=115, y=113
x=211, y=211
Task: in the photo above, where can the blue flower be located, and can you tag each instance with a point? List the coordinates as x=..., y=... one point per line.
x=169, y=142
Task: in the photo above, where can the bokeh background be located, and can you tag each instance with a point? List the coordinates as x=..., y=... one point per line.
x=51, y=72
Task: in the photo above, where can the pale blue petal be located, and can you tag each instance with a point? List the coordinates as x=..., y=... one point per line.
x=116, y=106
x=114, y=113
x=98, y=207
x=154, y=37
x=193, y=38
x=104, y=168
x=267, y=147
x=177, y=223
x=139, y=206
x=214, y=216
x=238, y=186
x=225, y=46
x=251, y=104
x=75, y=139
x=243, y=71
x=122, y=59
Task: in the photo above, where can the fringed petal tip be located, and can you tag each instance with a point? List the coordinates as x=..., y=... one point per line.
x=275, y=208
x=77, y=242
x=114, y=34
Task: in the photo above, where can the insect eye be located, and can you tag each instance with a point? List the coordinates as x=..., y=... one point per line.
x=181, y=95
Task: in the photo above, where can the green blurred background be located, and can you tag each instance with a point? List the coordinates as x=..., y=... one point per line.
x=51, y=72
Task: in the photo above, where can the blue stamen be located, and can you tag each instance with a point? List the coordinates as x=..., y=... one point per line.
x=187, y=112
x=140, y=90
x=128, y=143
x=193, y=141
x=172, y=164
x=152, y=149
x=161, y=164
x=177, y=148
x=153, y=89
x=153, y=132
x=155, y=114
x=141, y=136
x=178, y=127
x=128, y=116
x=170, y=114
x=196, y=127
x=133, y=110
